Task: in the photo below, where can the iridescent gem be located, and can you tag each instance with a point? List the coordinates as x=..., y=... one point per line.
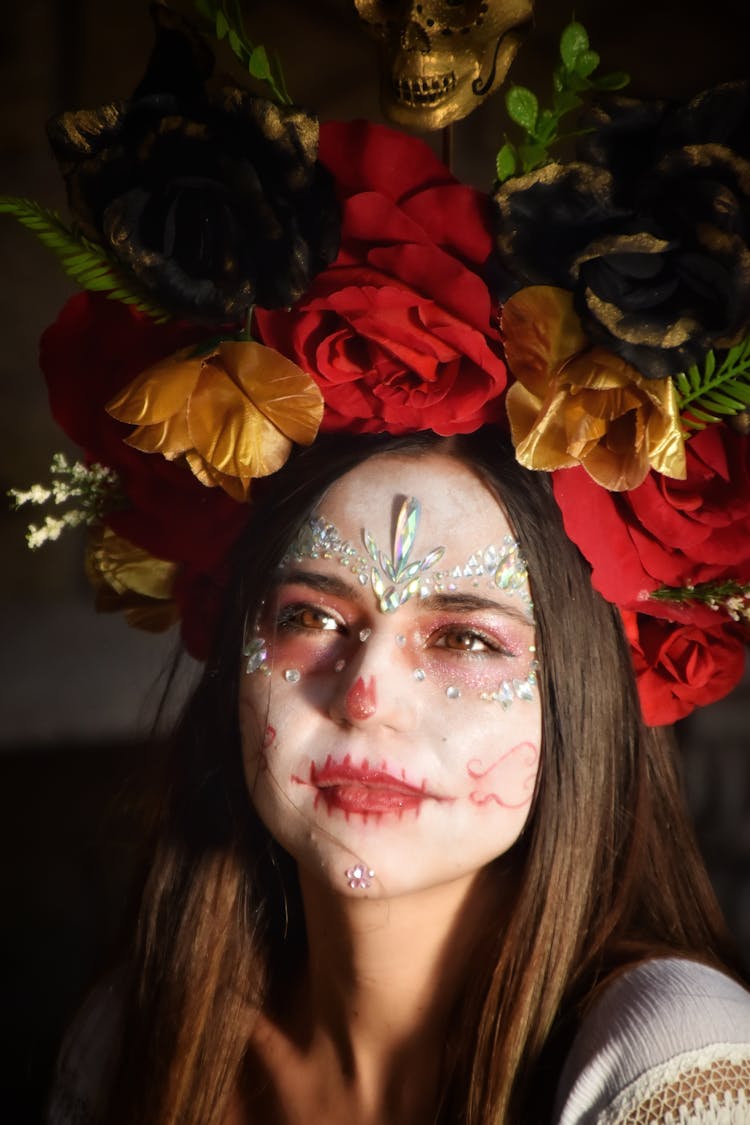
x=523, y=689
x=504, y=694
x=490, y=558
x=292, y=675
x=256, y=652
x=365, y=634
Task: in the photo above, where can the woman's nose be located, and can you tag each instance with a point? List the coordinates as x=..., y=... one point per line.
x=373, y=688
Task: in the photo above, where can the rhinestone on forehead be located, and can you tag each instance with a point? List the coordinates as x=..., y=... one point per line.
x=499, y=565
x=396, y=577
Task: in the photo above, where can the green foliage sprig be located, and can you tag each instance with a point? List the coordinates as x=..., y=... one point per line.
x=729, y=596
x=716, y=391
x=82, y=260
x=227, y=22
x=573, y=80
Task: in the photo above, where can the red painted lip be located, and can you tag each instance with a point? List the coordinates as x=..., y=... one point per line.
x=364, y=776
x=363, y=788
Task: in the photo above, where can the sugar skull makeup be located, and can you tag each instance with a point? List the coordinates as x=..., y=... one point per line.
x=400, y=575
x=402, y=616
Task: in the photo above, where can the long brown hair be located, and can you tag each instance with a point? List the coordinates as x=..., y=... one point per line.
x=608, y=871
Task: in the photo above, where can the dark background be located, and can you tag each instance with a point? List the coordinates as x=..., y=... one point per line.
x=73, y=724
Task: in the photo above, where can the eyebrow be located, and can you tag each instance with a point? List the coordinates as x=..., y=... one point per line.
x=452, y=600
x=325, y=583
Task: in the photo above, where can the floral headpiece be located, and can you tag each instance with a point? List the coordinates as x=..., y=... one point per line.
x=250, y=279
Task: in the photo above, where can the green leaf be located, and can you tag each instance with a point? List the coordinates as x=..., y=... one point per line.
x=722, y=404
x=532, y=156
x=565, y=102
x=236, y=44
x=546, y=126
x=506, y=162
x=574, y=41
x=523, y=107
x=716, y=391
x=222, y=25
x=703, y=415
x=586, y=63
x=683, y=383
x=617, y=80
x=82, y=260
x=694, y=375
x=740, y=390
x=258, y=64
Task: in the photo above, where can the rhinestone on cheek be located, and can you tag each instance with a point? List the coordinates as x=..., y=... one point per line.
x=365, y=634
x=418, y=674
x=453, y=692
x=400, y=640
x=292, y=675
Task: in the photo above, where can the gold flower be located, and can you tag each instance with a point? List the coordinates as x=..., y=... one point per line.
x=233, y=413
x=126, y=578
x=574, y=404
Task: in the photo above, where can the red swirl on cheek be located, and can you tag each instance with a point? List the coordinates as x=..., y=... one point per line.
x=361, y=702
x=514, y=777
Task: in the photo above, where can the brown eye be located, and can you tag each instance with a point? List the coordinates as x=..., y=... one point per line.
x=316, y=619
x=464, y=641
x=308, y=618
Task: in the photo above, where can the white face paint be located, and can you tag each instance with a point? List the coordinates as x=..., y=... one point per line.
x=386, y=765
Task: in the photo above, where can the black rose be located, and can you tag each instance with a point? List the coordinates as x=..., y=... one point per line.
x=214, y=200
x=650, y=228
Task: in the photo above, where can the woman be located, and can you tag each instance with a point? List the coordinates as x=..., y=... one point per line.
x=382, y=890
x=421, y=855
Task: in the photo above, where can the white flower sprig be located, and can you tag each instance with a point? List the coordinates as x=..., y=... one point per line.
x=729, y=597
x=92, y=487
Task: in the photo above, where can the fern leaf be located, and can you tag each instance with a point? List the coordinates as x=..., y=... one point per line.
x=718, y=390
x=683, y=383
x=83, y=261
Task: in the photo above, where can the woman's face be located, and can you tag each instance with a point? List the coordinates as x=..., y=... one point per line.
x=390, y=719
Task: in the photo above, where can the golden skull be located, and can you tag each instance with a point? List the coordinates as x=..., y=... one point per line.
x=441, y=58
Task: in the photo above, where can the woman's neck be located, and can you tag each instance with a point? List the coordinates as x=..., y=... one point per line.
x=367, y=1025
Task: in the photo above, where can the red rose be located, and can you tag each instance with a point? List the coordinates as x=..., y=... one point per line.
x=96, y=347
x=665, y=532
x=398, y=332
x=681, y=667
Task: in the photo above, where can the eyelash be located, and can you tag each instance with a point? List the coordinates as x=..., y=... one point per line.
x=290, y=619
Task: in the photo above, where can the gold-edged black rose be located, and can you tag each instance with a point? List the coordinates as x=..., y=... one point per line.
x=214, y=200
x=650, y=228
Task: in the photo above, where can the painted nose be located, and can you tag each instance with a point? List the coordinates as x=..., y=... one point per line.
x=374, y=691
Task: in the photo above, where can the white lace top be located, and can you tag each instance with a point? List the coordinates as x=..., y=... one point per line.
x=668, y=1043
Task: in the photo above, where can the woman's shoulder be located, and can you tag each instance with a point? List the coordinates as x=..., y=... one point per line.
x=88, y=1056
x=667, y=1041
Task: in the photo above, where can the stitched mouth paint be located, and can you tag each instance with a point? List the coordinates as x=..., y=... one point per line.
x=363, y=789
